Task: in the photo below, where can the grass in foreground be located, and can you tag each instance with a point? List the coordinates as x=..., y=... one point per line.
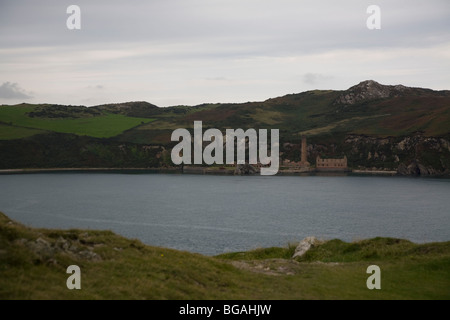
x=33, y=265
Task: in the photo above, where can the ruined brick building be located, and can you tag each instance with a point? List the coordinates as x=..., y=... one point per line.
x=331, y=164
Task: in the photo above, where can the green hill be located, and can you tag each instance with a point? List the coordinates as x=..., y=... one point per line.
x=376, y=126
x=18, y=120
x=33, y=264
x=377, y=111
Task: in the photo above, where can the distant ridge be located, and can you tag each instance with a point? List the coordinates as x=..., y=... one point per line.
x=377, y=127
x=131, y=109
x=126, y=105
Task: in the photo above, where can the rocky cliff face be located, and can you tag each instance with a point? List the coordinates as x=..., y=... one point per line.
x=409, y=155
x=245, y=169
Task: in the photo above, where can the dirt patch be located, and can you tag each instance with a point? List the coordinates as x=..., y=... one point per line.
x=277, y=267
x=273, y=267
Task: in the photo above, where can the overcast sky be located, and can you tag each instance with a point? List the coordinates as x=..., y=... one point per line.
x=171, y=52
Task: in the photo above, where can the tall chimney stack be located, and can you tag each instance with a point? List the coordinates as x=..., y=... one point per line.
x=304, y=152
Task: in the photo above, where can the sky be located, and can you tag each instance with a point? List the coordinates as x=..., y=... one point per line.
x=189, y=52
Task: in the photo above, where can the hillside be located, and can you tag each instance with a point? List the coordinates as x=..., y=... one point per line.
x=374, y=125
x=33, y=264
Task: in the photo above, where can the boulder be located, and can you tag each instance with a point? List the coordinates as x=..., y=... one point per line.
x=62, y=244
x=402, y=170
x=304, y=246
x=89, y=255
x=244, y=169
x=423, y=171
x=41, y=247
x=415, y=169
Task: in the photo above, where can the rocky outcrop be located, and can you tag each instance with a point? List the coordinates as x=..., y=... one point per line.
x=304, y=246
x=409, y=155
x=417, y=169
x=370, y=90
x=47, y=249
x=414, y=154
x=245, y=169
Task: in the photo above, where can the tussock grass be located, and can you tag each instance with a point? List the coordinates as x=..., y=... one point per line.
x=33, y=265
x=262, y=253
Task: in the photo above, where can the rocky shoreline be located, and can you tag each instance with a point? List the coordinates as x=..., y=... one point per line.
x=412, y=170
x=92, y=170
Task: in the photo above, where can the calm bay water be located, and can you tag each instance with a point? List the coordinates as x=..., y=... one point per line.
x=216, y=214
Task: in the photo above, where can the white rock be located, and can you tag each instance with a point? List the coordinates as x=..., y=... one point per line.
x=304, y=246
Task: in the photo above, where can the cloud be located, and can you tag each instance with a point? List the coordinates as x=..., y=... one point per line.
x=218, y=79
x=314, y=78
x=97, y=87
x=10, y=90
x=192, y=51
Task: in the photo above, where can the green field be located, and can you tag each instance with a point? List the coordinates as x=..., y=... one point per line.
x=33, y=265
x=105, y=126
x=8, y=132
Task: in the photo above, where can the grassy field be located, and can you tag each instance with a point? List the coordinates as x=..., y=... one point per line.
x=33, y=265
x=8, y=132
x=105, y=126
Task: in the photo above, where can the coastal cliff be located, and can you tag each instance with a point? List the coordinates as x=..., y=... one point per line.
x=409, y=155
x=376, y=127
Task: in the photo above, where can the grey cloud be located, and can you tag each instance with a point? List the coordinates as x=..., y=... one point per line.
x=315, y=78
x=96, y=87
x=10, y=90
x=218, y=79
x=257, y=48
x=266, y=26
